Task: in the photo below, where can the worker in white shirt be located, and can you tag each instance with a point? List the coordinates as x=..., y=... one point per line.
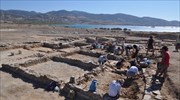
x=132, y=72
x=115, y=88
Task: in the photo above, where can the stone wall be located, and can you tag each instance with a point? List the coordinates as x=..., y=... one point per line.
x=42, y=80
x=80, y=44
x=56, y=45
x=34, y=62
x=92, y=54
x=81, y=93
x=20, y=46
x=97, y=54
x=74, y=62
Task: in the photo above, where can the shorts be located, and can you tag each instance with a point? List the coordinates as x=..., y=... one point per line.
x=160, y=66
x=150, y=47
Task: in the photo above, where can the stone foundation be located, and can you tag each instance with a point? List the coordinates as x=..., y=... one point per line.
x=42, y=80
x=74, y=62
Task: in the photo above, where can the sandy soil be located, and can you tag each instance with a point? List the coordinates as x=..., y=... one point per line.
x=14, y=87
x=58, y=69
x=174, y=72
x=17, y=58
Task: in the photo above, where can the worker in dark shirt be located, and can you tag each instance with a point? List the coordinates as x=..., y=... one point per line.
x=135, y=51
x=150, y=45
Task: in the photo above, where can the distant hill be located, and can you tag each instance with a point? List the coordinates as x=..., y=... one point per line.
x=79, y=17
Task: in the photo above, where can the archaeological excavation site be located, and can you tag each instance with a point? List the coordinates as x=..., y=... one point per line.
x=69, y=62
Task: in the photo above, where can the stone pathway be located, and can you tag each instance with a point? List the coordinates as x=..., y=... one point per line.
x=153, y=85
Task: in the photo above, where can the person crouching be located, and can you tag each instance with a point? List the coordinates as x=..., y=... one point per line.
x=102, y=59
x=115, y=88
x=120, y=64
x=132, y=72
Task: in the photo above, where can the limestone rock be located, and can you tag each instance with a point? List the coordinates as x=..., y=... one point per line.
x=158, y=97
x=147, y=97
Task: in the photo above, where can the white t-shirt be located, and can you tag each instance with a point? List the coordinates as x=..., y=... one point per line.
x=133, y=69
x=114, y=88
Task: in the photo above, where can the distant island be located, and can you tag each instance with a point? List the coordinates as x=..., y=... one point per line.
x=79, y=17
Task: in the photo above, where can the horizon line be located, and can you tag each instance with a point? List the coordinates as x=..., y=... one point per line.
x=87, y=12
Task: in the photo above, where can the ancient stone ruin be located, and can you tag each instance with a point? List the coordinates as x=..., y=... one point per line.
x=62, y=59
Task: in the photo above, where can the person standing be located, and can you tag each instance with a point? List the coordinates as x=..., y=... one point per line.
x=177, y=44
x=123, y=45
x=164, y=64
x=150, y=45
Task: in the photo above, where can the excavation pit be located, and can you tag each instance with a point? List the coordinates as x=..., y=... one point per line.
x=131, y=89
x=60, y=70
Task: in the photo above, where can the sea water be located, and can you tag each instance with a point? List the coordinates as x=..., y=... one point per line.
x=132, y=28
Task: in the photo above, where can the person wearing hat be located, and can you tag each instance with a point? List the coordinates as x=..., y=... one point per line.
x=115, y=88
x=164, y=64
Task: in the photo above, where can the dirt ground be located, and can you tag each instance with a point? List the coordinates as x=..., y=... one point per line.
x=57, y=69
x=174, y=72
x=13, y=87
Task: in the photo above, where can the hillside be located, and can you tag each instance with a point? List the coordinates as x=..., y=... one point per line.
x=71, y=17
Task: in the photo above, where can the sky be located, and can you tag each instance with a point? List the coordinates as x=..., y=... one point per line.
x=164, y=9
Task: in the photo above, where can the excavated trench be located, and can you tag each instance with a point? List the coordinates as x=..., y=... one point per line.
x=61, y=68
x=83, y=65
